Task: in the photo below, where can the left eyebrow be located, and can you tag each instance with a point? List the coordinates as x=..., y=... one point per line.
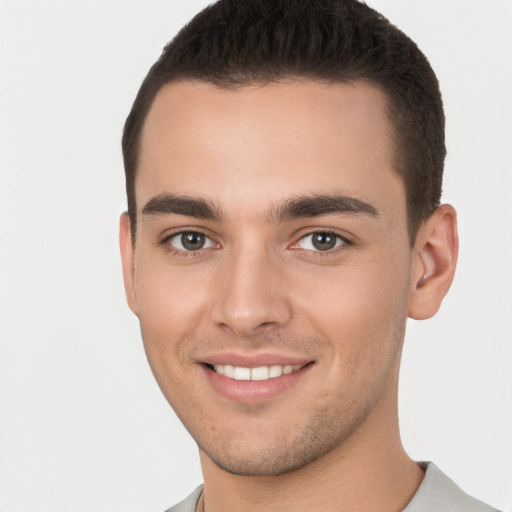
x=318, y=205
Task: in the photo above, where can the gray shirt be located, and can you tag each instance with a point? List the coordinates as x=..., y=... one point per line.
x=437, y=493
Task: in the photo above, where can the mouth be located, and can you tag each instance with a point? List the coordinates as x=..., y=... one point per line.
x=255, y=383
x=260, y=373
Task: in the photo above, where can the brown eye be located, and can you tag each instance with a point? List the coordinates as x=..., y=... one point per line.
x=324, y=241
x=190, y=241
x=320, y=241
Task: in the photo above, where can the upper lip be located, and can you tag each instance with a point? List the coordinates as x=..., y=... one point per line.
x=254, y=360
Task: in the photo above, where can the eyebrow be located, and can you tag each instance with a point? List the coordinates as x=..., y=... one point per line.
x=314, y=205
x=318, y=205
x=167, y=204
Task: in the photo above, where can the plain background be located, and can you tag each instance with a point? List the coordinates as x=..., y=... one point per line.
x=83, y=426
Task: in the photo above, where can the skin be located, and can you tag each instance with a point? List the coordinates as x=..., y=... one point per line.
x=259, y=286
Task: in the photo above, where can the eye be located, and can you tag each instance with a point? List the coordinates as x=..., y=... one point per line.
x=320, y=241
x=190, y=241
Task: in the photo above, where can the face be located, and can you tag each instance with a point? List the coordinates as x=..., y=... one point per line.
x=271, y=269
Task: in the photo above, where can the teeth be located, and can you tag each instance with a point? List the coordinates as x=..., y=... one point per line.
x=275, y=371
x=261, y=373
x=229, y=371
x=242, y=373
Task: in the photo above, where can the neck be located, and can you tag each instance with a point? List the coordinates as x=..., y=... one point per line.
x=369, y=471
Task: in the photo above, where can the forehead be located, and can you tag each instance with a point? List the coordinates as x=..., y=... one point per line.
x=264, y=143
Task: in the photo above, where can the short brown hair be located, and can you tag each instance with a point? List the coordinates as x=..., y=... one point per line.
x=233, y=43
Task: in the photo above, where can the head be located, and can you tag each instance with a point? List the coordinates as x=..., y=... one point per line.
x=232, y=44
x=283, y=164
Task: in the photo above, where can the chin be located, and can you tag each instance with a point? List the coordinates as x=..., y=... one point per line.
x=259, y=465
x=272, y=457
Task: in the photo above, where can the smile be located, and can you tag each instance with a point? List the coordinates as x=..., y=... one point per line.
x=252, y=382
x=260, y=373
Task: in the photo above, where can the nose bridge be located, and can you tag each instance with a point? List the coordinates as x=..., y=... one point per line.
x=249, y=296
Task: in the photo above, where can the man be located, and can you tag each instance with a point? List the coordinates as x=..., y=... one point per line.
x=284, y=164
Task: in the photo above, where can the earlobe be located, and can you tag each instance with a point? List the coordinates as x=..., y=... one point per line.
x=127, y=258
x=434, y=261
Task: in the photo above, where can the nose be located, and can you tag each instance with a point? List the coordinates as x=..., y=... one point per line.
x=250, y=297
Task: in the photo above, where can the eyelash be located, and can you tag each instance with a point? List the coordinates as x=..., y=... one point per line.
x=165, y=242
x=342, y=243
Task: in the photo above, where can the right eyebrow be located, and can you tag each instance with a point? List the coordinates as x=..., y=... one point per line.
x=168, y=204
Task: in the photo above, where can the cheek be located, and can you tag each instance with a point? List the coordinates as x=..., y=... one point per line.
x=361, y=308
x=171, y=304
x=170, y=307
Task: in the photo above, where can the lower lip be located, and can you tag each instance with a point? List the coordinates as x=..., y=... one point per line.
x=254, y=391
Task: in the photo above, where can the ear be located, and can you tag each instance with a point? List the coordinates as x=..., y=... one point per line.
x=127, y=257
x=434, y=260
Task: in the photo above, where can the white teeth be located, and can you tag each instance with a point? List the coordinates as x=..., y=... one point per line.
x=275, y=371
x=260, y=373
x=242, y=373
x=229, y=371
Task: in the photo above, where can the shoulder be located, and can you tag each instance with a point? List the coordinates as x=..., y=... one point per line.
x=189, y=503
x=437, y=492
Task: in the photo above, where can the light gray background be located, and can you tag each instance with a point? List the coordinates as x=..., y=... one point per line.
x=83, y=426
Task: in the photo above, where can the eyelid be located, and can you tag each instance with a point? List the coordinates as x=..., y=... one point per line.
x=169, y=235
x=345, y=241
x=338, y=242
x=212, y=243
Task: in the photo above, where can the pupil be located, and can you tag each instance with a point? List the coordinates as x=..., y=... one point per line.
x=324, y=241
x=192, y=241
